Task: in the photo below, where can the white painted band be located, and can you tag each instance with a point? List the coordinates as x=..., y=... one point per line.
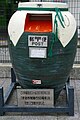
x=17, y=23
x=16, y=26
x=43, y=4
x=66, y=34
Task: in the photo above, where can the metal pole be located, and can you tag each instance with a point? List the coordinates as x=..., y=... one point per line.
x=71, y=100
x=1, y=101
x=13, y=76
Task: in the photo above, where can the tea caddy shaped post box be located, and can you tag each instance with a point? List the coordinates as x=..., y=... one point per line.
x=42, y=44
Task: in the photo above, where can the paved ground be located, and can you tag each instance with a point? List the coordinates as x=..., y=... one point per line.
x=24, y=116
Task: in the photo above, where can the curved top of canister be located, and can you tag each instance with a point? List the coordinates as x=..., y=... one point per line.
x=46, y=6
x=66, y=28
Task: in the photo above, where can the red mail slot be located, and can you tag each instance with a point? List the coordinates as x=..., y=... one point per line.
x=38, y=23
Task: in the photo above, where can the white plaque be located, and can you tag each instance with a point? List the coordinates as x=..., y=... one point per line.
x=37, y=52
x=34, y=40
x=35, y=97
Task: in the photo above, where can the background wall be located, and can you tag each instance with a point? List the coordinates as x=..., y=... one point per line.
x=74, y=7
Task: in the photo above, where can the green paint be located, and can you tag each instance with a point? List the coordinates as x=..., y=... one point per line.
x=41, y=9
x=55, y=37
x=59, y=16
x=49, y=70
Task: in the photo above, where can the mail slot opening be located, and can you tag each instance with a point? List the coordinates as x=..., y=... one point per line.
x=38, y=23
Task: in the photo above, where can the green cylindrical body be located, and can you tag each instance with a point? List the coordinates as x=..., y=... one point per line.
x=52, y=71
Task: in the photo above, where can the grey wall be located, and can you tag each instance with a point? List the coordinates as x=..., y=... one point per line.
x=74, y=7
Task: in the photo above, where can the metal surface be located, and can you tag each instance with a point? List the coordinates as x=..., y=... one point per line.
x=69, y=108
x=1, y=101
